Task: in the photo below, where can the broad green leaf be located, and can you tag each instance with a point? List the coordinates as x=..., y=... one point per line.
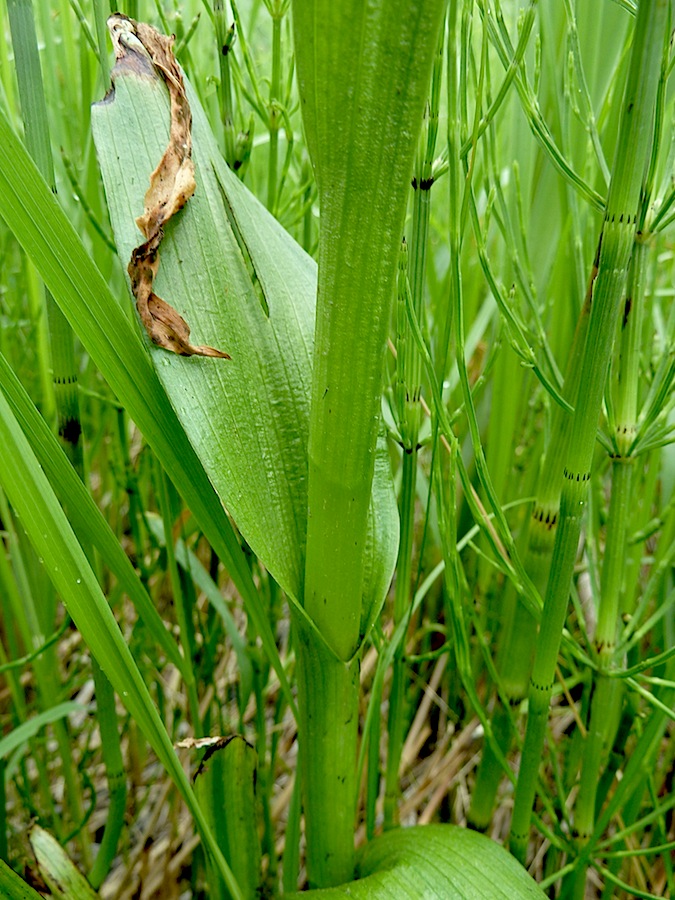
x=432, y=861
x=244, y=286
x=39, y=224
x=226, y=787
x=246, y=417
x=48, y=530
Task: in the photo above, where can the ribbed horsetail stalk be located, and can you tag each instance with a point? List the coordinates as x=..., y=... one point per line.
x=514, y=656
x=225, y=36
x=608, y=691
x=409, y=410
x=408, y=388
x=34, y=113
x=277, y=10
x=616, y=244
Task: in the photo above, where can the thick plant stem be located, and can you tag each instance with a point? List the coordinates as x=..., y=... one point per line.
x=273, y=110
x=34, y=110
x=362, y=103
x=618, y=233
x=328, y=691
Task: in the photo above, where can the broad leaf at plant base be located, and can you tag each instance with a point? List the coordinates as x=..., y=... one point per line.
x=432, y=861
x=244, y=286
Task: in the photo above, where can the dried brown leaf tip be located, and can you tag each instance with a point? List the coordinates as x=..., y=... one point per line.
x=171, y=186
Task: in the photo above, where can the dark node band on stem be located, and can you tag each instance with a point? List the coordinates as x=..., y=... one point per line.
x=424, y=184
x=70, y=431
x=578, y=477
x=623, y=219
x=545, y=517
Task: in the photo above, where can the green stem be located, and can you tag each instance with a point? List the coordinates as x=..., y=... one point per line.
x=396, y=719
x=263, y=788
x=115, y=774
x=101, y=12
x=273, y=112
x=362, y=102
x=490, y=773
x=409, y=377
x=185, y=627
x=225, y=40
x=618, y=233
x=514, y=658
x=131, y=490
x=13, y=609
x=328, y=729
x=608, y=692
x=64, y=376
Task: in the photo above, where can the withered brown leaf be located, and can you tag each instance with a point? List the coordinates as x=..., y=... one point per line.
x=171, y=186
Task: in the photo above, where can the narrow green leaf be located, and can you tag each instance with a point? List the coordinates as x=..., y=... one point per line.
x=14, y=888
x=84, y=515
x=48, y=530
x=28, y=729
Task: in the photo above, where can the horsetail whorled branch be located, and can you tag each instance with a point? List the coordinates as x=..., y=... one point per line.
x=616, y=243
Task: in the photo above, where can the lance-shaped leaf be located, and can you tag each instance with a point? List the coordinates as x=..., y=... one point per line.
x=245, y=286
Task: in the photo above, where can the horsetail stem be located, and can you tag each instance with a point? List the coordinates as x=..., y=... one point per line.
x=409, y=388
x=618, y=233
